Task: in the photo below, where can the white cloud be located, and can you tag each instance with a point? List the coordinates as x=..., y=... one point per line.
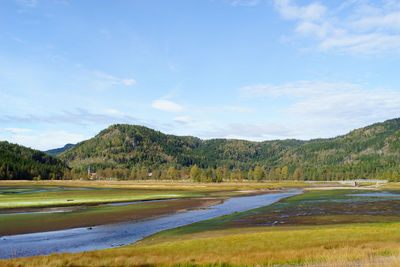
x=237, y=109
x=16, y=130
x=166, y=105
x=28, y=3
x=74, y=116
x=106, y=80
x=183, y=119
x=42, y=140
x=245, y=2
x=327, y=109
x=113, y=111
x=288, y=10
x=251, y=131
x=128, y=82
x=354, y=26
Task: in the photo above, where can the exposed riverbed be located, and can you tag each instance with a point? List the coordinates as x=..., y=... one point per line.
x=114, y=235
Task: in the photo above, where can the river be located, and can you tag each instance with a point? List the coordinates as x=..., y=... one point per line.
x=115, y=235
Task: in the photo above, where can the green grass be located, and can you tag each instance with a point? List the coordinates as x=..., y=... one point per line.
x=118, y=191
x=336, y=244
x=78, y=197
x=36, y=222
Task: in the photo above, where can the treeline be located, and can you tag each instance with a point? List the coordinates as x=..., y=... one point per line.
x=220, y=174
x=21, y=163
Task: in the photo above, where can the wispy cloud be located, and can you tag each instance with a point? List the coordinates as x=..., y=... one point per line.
x=245, y=2
x=352, y=26
x=77, y=117
x=106, y=80
x=183, y=119
x=238, y=109
x=27, y=3
x=251, y=131
x=16, y=130
x=332, y=108
x=41, y=139
x=166, y=105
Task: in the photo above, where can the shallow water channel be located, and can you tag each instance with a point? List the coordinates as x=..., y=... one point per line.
x=115, y=235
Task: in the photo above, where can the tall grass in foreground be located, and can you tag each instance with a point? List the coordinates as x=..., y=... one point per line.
x=356, y=245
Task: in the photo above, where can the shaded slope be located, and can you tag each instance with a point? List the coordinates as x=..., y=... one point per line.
x=19, y=162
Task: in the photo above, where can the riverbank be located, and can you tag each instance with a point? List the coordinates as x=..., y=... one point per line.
x=29, y=207
x=116, y=235
x=337, y=245
x=83, y=216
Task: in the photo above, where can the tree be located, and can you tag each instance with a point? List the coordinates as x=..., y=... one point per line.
x=285, y=173
x=259, y=173
x=250, y=174
x=172, y=173
x=232, y=176
x=278, y=173
x=271, y=174
x=239, y=176
x=395, y=176
x=219, y=175
x=195, y=173
x=298, y=174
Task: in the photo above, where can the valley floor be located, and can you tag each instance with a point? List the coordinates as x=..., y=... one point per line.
x=338, y=227
x=29, y=207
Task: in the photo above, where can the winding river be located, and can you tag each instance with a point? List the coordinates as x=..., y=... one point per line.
x=115, y=235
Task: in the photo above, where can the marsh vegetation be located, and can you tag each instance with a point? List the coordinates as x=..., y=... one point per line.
x=337, y=226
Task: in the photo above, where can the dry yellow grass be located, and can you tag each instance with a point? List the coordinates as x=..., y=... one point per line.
x=356, y=245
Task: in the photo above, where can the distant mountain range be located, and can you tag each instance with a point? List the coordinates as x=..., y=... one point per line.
x=56, y=151
x=369, y=152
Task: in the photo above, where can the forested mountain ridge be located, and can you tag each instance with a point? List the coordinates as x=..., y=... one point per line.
x=369, y=152
x=18, y=162
x=56, y=151
x=125, y=146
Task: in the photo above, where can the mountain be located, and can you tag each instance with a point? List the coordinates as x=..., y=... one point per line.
x=124, y=146
x=19, y=162
x=365, y=152
x=56, y=151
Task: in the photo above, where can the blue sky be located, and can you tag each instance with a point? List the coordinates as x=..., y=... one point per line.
x=249, y=69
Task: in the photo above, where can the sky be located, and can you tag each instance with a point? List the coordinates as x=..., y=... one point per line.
x=247, y=69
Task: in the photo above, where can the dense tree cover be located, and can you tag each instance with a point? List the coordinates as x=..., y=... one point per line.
x=18, y=162
x=370, y=152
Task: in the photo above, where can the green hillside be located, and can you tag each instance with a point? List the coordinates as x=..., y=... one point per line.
x=124, y=146
x=369, y=152
x=18, y=162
